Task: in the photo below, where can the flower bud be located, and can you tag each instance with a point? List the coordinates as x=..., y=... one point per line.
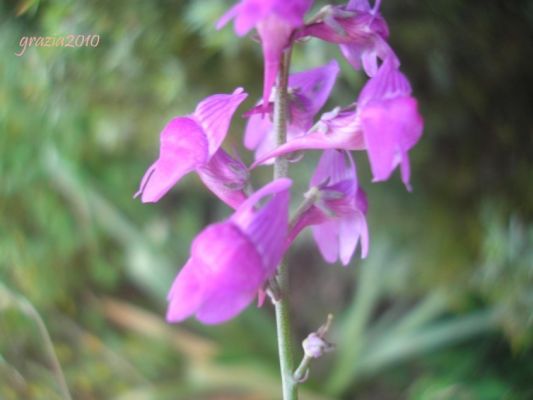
x=315, y=346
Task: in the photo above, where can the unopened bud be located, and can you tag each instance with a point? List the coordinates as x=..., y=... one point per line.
x=315, y=346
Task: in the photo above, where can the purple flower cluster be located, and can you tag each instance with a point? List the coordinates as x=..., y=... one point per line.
x=232, y=261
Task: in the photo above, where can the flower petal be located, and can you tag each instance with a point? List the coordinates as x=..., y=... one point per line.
x=267, y=145
x=228, y=16
x=232, y=271
x=267, y=227
x=358, y=5
x=226, y=177
x=183, y=147
x=334, y=166
x=351, y=229
x=353, y=54
x=292, y=11
x=326, y=237
x=275, y=34
x=390, y=129
x=360, y=32
x=186, y=294
x=257, y=128
x=347, y=138
x=388, y=83
x=248, y=13
x=313, y=216
x=309, y=91
x=314, y=85
x=214, y=115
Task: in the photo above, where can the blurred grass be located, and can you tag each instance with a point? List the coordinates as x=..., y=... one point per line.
x=442, y=309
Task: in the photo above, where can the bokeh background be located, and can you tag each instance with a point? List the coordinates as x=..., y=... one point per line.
x=442, y=308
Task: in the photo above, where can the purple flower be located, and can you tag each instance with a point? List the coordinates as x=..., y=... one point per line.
x=275, y=21
x=308, y=92
x=230, y=261
x=390, y=122
x=189, y=143
x=385, y=122
x=338, y=217
x=360, y=31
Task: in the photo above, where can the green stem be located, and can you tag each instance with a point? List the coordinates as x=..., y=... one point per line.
x=283, y=324
x=281, y=164
x=310, y=198
x=301, y=372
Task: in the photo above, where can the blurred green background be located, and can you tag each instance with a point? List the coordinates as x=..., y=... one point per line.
x=443, y=307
